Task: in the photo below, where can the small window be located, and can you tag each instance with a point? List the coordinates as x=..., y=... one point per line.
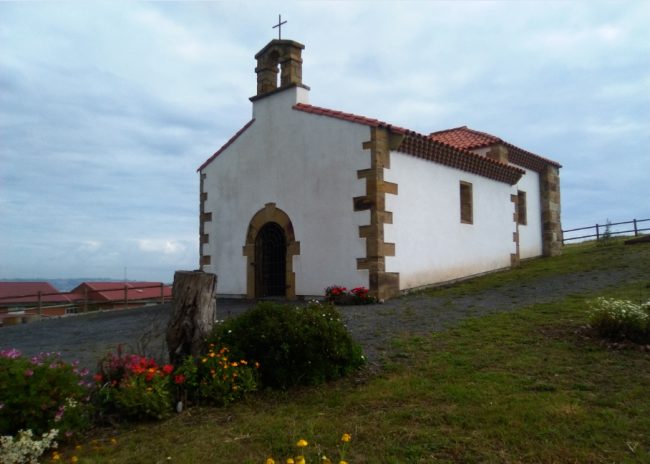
x=521, y=207
x=466, y=215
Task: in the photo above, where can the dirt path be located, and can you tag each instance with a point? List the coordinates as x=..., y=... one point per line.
x=88, y=337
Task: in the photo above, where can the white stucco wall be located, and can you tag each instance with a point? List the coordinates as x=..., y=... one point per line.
x=307, y=165
x=431, y=244
x=530, y=234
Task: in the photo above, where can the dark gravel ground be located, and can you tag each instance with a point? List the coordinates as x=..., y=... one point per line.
x=88, y=337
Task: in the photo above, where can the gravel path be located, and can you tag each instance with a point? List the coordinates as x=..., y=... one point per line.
x=88, y=337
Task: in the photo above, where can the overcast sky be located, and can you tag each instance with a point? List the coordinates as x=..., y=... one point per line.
x=108, y=109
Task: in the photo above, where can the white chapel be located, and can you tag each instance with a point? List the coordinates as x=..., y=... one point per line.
x=304, y=197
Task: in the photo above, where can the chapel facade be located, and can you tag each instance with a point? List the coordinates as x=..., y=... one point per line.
x=303, y=197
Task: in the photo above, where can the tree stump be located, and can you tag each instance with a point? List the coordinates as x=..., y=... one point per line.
x=193, y=313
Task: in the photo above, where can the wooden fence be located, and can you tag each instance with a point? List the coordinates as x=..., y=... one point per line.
x=39, y=305
x=635, y=226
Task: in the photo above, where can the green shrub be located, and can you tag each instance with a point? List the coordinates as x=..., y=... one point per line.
x=134, y=387
x=621, y=320
x=41, y=393
x=294, y=345
x=221, y=379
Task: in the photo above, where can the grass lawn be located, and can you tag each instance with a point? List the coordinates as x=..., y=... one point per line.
x=525, y=386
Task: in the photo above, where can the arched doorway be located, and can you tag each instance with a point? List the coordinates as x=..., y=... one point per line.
x=269, y=248
x=270, y=261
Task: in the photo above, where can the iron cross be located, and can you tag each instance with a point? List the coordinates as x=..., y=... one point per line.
x=279, y=26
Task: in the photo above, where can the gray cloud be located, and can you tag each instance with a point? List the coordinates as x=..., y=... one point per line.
x=106, y=110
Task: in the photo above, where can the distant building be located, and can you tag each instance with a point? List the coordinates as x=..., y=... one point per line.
x=108, y=295
x=19, y=300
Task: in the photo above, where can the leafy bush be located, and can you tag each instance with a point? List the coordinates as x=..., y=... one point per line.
x=294, y=345
x=134, y=387
x=621, y=319
x=340, y=296
x=41, y=393
x=221, y=380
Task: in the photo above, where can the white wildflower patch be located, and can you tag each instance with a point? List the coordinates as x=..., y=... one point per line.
x=621, y=319
x=621, y=309
x=23, y=448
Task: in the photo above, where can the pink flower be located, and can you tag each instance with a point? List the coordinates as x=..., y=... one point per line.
x=28, y=372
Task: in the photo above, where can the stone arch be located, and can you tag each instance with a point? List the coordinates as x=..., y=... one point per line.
x=270, y=214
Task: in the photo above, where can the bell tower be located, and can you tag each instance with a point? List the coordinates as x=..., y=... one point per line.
x=279, y=56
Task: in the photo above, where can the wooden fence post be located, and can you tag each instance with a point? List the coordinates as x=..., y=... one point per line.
x=162, y=293
x=85, y=299
x=193, y=313
x=597, y=233
x=636, y=230
x=40, y=305
x=126, y=296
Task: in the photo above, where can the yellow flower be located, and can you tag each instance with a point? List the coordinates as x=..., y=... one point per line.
x=302, y=443
x=74, y=459
x=56, y=456
x=78, y=447
x=270, y=461
x=343, y=462
x=290, y=461
x=300, y=460
x=346, y=437
x=113, y=441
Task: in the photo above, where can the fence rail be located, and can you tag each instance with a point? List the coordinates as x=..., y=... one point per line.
x=39, y=305
x=611, y=228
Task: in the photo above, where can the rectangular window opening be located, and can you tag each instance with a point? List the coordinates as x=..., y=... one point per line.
x=466, y=207
x=521, y=207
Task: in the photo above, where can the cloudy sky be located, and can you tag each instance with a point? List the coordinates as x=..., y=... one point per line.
x=107, y=109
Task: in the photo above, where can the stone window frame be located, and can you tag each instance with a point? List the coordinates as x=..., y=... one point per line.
x=522, y=216
x=466, y=202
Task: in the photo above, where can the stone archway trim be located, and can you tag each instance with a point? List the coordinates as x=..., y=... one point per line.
x=270, y=213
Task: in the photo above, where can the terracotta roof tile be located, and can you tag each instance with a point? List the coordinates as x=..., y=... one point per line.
x=348, y=117
x=470, y=139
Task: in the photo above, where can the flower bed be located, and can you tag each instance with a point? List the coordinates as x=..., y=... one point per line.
x=339, y=295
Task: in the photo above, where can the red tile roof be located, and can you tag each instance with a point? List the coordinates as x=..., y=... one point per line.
x=114, y=291
x=227, y=144
x=464, y=138
x=27, y=292
x=349, y=117
x=423, y=146
x=470, y=139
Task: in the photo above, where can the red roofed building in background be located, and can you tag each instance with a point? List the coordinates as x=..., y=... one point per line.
x=18, y=300
x=107, y=295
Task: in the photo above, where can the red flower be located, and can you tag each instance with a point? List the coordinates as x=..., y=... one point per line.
x=168, y=369
x=98, y=378
x=179, y=379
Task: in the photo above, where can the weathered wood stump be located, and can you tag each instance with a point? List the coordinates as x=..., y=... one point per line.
x=193, y=313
